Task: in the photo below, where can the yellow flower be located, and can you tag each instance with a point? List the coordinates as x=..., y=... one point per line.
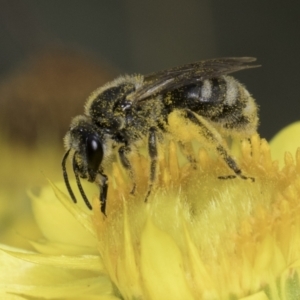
x=197, y=237
x=287, y=140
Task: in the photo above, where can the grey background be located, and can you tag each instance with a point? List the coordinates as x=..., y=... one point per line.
x=145, y=36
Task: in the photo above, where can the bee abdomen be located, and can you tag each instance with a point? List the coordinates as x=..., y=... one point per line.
x=207, y=91
x=222, y=100
x=206, y=94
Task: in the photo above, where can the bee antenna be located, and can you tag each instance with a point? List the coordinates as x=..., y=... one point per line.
x=65, y=175
x=83, y=195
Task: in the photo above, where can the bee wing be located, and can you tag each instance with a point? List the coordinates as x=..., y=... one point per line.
x=170, y=79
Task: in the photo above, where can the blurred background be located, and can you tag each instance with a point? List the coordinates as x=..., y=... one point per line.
x=54, y=53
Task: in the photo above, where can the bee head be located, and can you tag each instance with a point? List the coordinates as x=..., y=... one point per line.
x=87, y=145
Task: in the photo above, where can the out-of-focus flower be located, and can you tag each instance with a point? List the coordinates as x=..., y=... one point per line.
x=287, y=140
x=41, y=95
x=197, y=237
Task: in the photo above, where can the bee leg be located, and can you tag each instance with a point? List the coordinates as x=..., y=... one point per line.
x=213, y=137
x=152, y=149
x=187, y=150
x=232, y=165
x=103, y=193
x=123, y=150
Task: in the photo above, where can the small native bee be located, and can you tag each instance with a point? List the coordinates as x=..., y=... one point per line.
x=131, y=108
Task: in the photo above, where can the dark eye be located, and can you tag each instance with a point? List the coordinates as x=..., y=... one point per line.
x=94, y=152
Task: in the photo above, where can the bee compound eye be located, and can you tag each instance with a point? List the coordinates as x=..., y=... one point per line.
x=94, y=152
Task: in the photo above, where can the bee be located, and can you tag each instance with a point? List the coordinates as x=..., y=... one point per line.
x=122, y=113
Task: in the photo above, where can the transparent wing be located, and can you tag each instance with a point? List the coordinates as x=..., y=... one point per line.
x=170, y=79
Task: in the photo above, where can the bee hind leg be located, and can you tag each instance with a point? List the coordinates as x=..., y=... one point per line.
x=214, y=138
x=232, y=165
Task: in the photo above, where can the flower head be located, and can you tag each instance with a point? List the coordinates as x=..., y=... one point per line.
x=200, y=237
x=196, y=236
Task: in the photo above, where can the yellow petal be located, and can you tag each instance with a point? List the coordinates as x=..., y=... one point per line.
x=163, y=275
x=6, y=296
x=257, y=296
x=15, y=270
x=83, y=262
x=59, y=224
x=53, y=248
x=82, y=288
x=60, y=277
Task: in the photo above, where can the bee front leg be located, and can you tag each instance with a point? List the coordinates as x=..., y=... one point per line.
x=103, y=193
x=152, y=149
x=214, y=138
x=123, y=151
